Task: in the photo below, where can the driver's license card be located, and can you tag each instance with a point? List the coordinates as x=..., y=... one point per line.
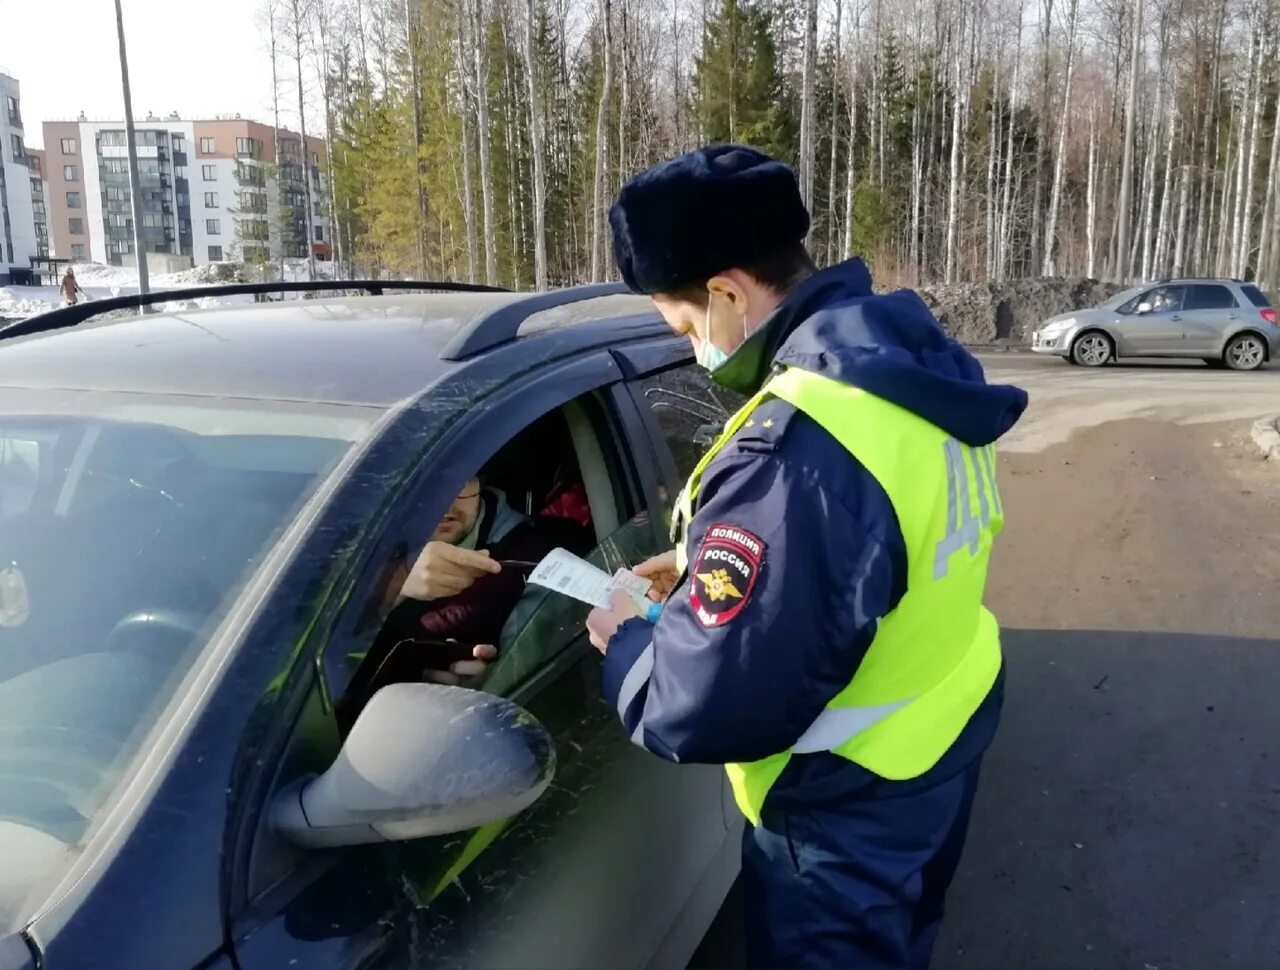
x=563, y=572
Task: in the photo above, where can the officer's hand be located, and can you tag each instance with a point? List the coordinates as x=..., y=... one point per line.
x=465, y=673
x=661, y=571
x=444, y=570
x=603, y=623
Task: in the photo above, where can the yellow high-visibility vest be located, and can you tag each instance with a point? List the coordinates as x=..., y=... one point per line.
x=936, y=655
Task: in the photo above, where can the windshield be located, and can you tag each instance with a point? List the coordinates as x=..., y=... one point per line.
x=129, y=524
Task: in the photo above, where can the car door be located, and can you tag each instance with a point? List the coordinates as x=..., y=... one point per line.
x=612, y=853
x=1158, y=331
x=1209, y=311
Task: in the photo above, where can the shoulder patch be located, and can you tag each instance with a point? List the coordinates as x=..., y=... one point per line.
x=724, y=573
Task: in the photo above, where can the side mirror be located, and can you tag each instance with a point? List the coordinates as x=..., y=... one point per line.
x=1144, y=308
x=421, y=760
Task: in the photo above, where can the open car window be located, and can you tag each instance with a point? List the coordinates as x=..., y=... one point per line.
x=546, y=623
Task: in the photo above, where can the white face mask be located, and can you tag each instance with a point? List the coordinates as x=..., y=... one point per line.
x=709, y=355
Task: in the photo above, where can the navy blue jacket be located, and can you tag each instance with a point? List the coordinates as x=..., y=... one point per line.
x=833, y=560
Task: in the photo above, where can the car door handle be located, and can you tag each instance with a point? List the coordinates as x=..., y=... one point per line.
x=1176, y=318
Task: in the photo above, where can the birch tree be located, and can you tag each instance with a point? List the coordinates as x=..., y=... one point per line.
x=479, y=23
x=1064, y=118
x=539, y=164
x=1123, y=201
x=602, y=129
x=808, y=123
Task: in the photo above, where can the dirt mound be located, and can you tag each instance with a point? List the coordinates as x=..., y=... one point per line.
x=989, y=312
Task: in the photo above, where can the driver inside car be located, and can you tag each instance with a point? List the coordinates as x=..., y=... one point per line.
x=445, y=613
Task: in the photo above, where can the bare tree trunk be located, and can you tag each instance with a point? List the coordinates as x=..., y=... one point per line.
x=539, y=162
x=1180, y=235
x=993, y=149
x=1149, y=184
x=1091, y=198
x=323, y=26
x=1266, y=250
x=299, y=15
x=272, y=13
x=479, y=38
x=602, y=129
x=1246, y=205
x=808, y=120
x=957, y=112
x=415, y=81
x=1006, y=206
x=1199, y=251
x=1222, y=254
x=850, y=176
x=1166, y=195
x=1123, y=203
x=833, y=229
x=1042, y=129
x=468, y=192
x=1064, y=117
x=624, y=60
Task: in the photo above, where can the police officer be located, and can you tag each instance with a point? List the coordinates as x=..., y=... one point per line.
x=823, y=634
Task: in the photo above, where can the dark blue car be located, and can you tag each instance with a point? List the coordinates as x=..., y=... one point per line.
x=197, y=509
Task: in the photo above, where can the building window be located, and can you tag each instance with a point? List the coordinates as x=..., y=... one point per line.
x=210, y=172
x=15, y=116
x=33, y=163
x=248, y=148
x=206, y=146
x=77, y=250
x=213, y=227
x=75, y=227
x=179, y=143
x=112, y=139
x=19, y=152
x=69, y=146
x=211, y=200
x=215, y=254
x=73, y=200
x=69, y=173
x=319, y=233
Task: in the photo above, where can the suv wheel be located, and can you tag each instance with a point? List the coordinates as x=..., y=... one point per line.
x=1245, y=352
x=1092, y=349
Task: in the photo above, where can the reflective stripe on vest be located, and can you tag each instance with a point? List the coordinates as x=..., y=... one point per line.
x=936, y=655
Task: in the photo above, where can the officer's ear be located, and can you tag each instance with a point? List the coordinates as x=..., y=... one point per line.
x=731, y=288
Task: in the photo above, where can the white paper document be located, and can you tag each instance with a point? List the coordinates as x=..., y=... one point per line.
x=565, y=573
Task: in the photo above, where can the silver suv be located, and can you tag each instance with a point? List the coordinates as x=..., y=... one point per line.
x=1222, y=322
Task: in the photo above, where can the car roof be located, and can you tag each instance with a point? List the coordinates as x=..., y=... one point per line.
x=374, y=350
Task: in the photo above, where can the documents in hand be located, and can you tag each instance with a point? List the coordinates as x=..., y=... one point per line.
x=563, y=572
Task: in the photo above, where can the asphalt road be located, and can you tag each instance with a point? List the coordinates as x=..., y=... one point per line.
x=1129, y=815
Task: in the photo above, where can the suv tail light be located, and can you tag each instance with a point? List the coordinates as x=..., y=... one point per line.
x=1269, y=315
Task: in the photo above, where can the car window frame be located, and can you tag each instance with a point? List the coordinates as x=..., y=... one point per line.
x=652, y=422
x=437, y=475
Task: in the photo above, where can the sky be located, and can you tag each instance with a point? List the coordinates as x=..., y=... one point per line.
x=195, y=57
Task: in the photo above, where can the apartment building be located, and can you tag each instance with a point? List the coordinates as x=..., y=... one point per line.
x=39, y=200
x=210, y=191
x=17, y=217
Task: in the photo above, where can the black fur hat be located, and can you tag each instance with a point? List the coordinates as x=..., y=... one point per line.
x=698, y=214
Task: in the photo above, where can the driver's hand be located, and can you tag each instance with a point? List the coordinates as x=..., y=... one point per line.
x=465, y=673
x=444, y=570
x=661, y=571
